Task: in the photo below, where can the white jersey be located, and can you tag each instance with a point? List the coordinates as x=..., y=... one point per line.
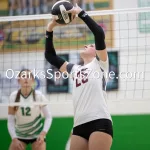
x=28, y=118
x=89, y=95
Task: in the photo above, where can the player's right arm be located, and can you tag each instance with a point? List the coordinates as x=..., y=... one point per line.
x=11, y=126
x=50, y=53
x=11, y=122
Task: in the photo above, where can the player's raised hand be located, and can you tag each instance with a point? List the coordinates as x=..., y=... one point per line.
x=75, y=10
x=52, y=24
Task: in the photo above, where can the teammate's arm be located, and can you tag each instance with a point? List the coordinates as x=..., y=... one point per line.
x=48, y=119
x=11, y=128
x=98, y=35
x=50, y=53
x=11, y=122
x=47, y=124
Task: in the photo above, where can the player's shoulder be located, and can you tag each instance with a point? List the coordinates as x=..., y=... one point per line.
x=96, y=59
x=13, y=95
x=40, y=96
x=103, y=64
x=94, y=62
x=72, y=67
x=37, y=92
x=76, y=67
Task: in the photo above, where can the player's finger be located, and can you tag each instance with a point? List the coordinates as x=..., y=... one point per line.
x=39, y=141
x=73, y=17
x=20, y=146
x=53, y=17
x=71, y=10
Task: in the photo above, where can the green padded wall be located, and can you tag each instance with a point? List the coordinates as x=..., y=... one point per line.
x=131, y=132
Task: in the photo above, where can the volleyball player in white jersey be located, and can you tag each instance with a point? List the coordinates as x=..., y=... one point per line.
x=92, y=121
x=25, y=121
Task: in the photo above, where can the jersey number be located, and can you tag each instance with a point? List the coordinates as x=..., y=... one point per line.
x=84, y=79
x=26, y=111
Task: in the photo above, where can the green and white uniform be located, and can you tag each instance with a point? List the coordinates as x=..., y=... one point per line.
x=28, y=118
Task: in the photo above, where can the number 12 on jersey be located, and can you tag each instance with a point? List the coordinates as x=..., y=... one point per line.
x=26, y=111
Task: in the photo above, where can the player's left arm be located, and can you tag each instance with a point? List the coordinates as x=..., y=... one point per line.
x=47, y=115
x=11, y=118
x=48, y=119
x=47, y=124
x=11, y=122
x=98, y=33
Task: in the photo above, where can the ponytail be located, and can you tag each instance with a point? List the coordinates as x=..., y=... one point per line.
x=17, y=98
x=34, y=95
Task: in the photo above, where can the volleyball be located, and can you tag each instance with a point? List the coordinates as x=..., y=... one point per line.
x=59, y=11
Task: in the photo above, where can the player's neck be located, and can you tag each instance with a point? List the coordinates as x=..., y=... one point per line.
x=87, y=60
x=25, y=91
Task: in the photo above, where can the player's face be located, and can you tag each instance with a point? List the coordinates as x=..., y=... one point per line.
x=26, y=79
x=89, y=50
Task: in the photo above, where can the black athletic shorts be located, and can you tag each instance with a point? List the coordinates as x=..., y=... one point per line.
x=29, y=141
x=86, y=129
